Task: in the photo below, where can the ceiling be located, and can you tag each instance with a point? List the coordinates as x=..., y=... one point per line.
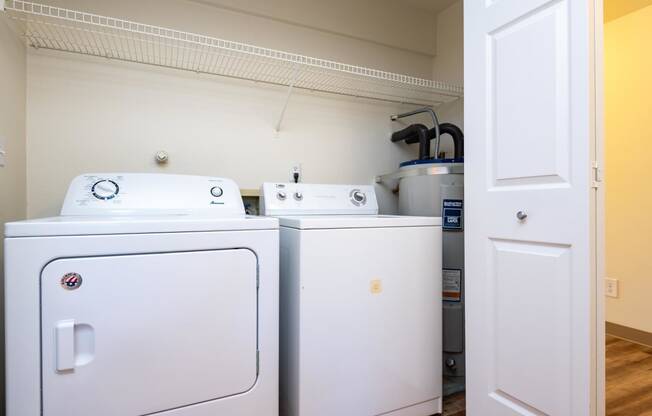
x=613, y=9
x=408, y=25
x=433, y=6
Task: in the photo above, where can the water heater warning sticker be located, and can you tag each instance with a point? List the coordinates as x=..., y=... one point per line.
x=452, y=213
x=451, y=285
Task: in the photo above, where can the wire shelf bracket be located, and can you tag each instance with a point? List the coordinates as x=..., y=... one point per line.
x=47, y=27
x=287, y=99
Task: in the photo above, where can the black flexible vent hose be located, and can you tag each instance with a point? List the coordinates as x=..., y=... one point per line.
x=456, y=134
x=415, y=133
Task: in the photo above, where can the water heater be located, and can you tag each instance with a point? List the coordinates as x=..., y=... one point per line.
x=436, y=188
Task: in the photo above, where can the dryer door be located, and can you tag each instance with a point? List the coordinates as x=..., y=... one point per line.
x=138, y=334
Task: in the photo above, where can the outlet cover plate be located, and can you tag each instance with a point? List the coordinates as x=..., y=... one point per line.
x=611, y=288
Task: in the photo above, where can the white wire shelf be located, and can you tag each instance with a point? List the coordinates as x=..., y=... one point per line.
x=67, y=30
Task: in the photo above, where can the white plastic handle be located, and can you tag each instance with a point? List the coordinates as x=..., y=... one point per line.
x=65, y=339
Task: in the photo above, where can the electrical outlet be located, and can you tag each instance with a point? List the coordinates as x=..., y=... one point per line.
x=611, y=288
x=296, y=170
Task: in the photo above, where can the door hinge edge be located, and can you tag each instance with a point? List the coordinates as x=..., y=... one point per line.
x=598, y=173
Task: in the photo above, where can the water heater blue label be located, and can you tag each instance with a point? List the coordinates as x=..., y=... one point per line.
x=452, y=214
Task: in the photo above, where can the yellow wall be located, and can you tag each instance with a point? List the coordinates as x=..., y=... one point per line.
x=613, y=9
x=628, y=101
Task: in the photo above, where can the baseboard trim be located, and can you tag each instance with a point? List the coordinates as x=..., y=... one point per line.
x=630, y=334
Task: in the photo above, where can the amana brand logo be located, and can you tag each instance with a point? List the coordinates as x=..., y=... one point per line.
x=71, y=281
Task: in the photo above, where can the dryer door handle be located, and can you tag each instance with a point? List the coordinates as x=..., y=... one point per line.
x=65, y=345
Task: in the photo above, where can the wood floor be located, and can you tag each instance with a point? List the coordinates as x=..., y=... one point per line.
x=629, y=381
x=629, y=378
x=455, y=405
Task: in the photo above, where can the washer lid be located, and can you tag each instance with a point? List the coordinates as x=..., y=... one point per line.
x=99, y=225
x=310, y=222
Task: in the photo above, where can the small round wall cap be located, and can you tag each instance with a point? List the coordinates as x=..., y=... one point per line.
x=162, y=157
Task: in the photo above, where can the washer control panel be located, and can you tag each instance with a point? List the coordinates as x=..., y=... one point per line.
x=144, y=193
x=316, y=199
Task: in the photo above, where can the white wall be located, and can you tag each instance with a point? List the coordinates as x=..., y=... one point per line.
x=448, y=64
x=87, y=114
x=385, y=22
x=12, y=139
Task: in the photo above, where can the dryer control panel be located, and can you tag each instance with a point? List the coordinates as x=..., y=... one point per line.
x=317, y=199
x=147, y=193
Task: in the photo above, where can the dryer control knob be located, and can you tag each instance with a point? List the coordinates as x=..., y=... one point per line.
x=217, y=192
x=281, y=195
x=298, y=196
x=105, y=189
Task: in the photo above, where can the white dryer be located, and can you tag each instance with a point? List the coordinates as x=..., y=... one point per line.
x=150, y=294
x=360, y=304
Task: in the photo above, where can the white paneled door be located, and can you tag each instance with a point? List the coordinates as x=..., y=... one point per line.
x=531, y=293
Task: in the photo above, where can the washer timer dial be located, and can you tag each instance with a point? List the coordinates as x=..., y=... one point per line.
x=358, y=198
x=105, y=189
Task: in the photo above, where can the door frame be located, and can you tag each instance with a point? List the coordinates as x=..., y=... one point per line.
x=598, y=205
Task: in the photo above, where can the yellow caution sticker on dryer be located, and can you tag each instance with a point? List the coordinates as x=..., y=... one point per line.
x=376, y=286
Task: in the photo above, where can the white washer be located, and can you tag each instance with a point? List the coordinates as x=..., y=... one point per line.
x=360, y=304
x=149, y=294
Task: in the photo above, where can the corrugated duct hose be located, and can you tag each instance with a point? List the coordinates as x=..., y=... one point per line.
x=415, y=133
x=455, y=133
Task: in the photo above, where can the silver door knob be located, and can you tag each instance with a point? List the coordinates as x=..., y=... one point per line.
x=521, y=216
